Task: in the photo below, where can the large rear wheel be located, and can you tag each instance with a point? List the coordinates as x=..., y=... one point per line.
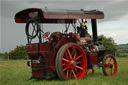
x=71, y=62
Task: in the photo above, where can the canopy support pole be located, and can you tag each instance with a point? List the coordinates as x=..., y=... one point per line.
x=94, y=29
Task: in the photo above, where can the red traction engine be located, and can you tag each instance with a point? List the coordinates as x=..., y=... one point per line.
x=67, y=55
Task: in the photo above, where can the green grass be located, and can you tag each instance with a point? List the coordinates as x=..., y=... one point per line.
x=16, y=72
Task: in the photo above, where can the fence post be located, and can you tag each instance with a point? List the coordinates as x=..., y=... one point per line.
x=8, y=57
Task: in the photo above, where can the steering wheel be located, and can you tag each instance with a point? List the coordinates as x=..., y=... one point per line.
x=45, y=35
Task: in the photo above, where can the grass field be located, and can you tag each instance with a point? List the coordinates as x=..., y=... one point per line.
x=16, y=72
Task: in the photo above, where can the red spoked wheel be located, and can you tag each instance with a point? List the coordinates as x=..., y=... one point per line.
x=109, y=65
x=71, y=62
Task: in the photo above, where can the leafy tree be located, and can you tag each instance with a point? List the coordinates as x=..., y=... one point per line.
x=18, y=53
x=4, y=55
x=110, y=45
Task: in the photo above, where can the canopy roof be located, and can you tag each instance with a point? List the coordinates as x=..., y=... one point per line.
x=56, y=16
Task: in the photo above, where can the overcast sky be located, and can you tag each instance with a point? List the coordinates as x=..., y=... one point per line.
x=114, y=25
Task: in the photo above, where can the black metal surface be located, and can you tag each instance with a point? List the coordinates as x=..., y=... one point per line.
x=39, y=36
x=28, y=63
x=42, y=61
x=94, y=29
x=36, y=30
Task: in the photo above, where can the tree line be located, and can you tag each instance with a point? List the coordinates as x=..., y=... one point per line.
x=110, y=47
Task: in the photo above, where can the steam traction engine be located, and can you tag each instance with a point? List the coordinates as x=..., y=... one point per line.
x=64, y=55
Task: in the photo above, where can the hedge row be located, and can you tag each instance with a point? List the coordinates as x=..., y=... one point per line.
x=18, y=53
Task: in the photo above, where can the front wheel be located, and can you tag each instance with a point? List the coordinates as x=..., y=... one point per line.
x=109, y=65
x=71, y=62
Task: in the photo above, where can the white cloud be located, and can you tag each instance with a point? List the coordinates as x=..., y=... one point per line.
x=114, y=24
x=113, y=9
x=120, y=35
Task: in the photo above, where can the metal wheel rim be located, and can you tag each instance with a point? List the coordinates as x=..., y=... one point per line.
x=109, y=66
x=73, y=64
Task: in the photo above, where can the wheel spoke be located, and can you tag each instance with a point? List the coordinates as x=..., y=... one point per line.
x=63, y=64
x=66, y=55
x=79, y=67
x=76, y=71
x=65, y=59
x=75, y=54
x=78, y=62
x=70, y=74
x=78, y=57
x=109, y=61
x=107, y=72
x=67, y=73
x=73, y=50
x=65, y=69
x=74, y=74
x=111, y=71
x=69, y=54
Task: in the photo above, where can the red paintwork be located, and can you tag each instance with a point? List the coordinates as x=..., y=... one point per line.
x=79, y=57
x=47, y=16
x=93, y=58
x=74, y=54
x=63, y=21
x=92, y=55
x=110, y=60
x=53, y=68
x=37, y=70
x=72, y=16
x=50, y=49
x=32, y=49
